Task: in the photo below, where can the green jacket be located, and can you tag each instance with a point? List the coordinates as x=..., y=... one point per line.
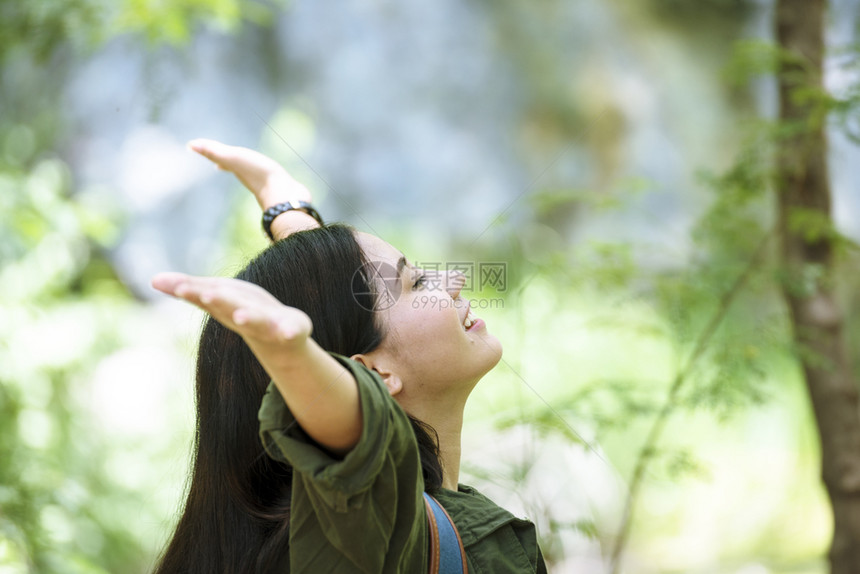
x=365, y=512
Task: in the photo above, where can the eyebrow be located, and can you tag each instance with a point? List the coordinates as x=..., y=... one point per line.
x=401, y=263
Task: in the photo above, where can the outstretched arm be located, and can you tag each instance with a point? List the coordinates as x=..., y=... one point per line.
x=320, y=392
x=265, y=178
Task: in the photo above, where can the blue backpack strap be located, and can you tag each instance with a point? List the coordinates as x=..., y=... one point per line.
x=447, y=555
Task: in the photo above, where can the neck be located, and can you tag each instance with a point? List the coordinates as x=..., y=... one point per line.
x=447, y=421
x=449, y=451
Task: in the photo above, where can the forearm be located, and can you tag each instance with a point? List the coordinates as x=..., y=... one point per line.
x=319, y=391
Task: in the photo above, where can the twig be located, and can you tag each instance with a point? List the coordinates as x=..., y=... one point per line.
x=648, y=449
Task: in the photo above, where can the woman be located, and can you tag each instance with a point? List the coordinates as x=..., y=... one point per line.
x=328, y=350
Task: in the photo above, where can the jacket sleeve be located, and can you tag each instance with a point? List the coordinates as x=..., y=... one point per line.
x=368, y=504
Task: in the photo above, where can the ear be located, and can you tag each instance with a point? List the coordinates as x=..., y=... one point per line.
x=391, y=380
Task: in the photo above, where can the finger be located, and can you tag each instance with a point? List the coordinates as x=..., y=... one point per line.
x=243, y=314
x=196, y=290
x=212, y=150
x=202, y=145
x=167, y=282
x=239, y=306
x=221, y=296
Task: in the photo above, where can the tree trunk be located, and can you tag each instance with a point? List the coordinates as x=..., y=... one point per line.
x=803, y=191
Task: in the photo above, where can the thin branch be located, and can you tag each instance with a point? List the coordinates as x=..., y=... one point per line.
x=648, y=450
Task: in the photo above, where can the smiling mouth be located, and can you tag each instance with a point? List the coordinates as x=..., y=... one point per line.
x=470, y=320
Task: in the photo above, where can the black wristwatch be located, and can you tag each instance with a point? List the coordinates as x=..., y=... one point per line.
x=271, y=213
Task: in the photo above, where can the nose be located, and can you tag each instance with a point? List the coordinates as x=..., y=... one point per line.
x=456, y=280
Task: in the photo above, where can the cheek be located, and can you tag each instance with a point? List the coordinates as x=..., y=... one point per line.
x=424, y=327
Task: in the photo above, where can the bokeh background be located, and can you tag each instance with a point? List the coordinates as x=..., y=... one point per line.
x=594, y=149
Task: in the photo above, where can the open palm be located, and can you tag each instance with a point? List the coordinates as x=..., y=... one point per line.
x=243, y=307
x=264, y=177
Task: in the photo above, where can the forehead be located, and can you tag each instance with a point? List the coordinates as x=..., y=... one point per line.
x=384, y=269
x=377, y=249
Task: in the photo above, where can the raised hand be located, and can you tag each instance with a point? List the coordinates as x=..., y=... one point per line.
x=243, y=307
x=264, y=177
x=320, y=392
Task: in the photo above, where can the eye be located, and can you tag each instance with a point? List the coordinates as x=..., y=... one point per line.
x=419, y=282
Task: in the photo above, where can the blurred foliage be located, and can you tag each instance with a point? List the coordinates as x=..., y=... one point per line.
x=62, y=307
x=58, y=302
x=724, y=293
x=845, y=103
x=719, y=309
x=753, y=330
x=40, y=27
x=63, y=310
x=712, y=17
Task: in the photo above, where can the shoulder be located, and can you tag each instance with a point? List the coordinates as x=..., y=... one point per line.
x=373, y=393
x=390, y=431
x=494, y=539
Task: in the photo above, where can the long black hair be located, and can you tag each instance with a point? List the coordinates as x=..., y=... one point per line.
x=236, y=515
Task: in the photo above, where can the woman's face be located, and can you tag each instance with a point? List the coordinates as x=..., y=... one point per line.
x=423, y=316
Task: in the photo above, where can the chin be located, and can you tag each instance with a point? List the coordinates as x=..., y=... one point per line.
x=494, y=353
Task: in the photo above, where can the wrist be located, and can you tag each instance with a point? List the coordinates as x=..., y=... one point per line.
x=283, y=355
x=288, y=337
x=292, y=221
x=280, y=211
